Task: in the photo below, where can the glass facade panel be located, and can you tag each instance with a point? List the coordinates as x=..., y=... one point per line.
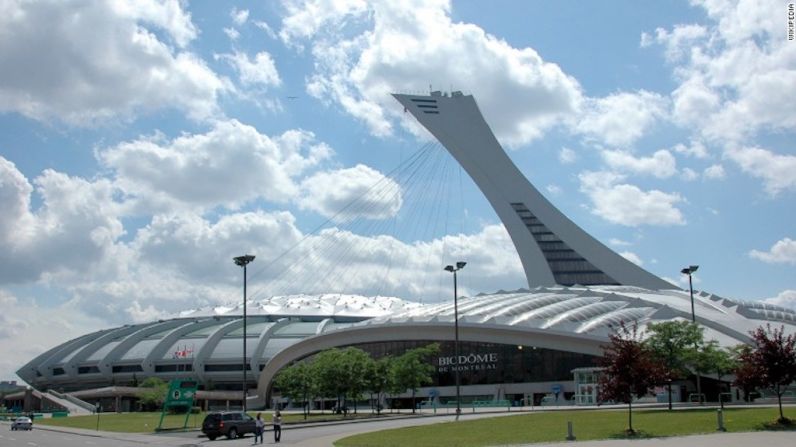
x=490, y=363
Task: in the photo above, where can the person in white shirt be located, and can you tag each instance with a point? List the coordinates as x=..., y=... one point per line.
x=259, y=428
x=277, y=426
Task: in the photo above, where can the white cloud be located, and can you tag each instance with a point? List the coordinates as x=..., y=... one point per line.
x=714, y=172
x=786, y=298
x=622, y=118
x=567, y=155
x=782, y=252
x=696, y=150
x=661, y=164
x=404, y=46
x=261, y=70
x=729, y=69
x=72, y=230
x=52, y=327
x=632, y=257
x=239, y=16
x=689, y=174
x=778, y=172
x=232, y=33
x=229, y=165
x=353, y=192
x=627, y=204
x=88, y=62
x=679, y=42
x=267, y=28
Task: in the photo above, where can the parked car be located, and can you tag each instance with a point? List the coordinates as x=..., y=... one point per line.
x=22, y=423
x=232, y=424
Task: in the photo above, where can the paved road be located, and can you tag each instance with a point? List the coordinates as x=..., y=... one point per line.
x=323, y=435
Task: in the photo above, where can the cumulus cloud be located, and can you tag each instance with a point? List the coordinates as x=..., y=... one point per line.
x=90, y=61
x=345, y=194
x=73, y=228
x=786, y=298
x=239, y=16
x=729, y=69
x=622, y=118
x=778, y=172
x=782, y=252
x=696, y=149
x=260, y=71
x=627, y=204
x=228, y=165
x=714, y=172
x=366, y=50
x=661, y=164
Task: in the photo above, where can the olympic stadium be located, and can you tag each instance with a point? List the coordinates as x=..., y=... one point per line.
x=514, y=346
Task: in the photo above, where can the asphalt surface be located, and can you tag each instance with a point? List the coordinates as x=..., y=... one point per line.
x=324, y=435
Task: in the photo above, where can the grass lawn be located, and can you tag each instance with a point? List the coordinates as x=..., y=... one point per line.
x=147, y=422
x=552, y=427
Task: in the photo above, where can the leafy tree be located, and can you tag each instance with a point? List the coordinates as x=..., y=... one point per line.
x=673, y=343
x=342, y=373
x=381, y=378
x=747, y=374
x=710, y=358
x=358, y=363
x=413, y=369
x=631, y=369
x=152, y=392
x=328, y=368
x=298, y=382
x=773, y=358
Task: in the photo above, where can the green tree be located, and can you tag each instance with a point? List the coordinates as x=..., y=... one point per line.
x=710, y=358
x=358, y=364
x=152, y=392
x=772, y=359
x=327, y=368
x=631, y=370
x=342, y=373
x=414, y=369
x=673, y=343
x=381, y=378
x=298, y=382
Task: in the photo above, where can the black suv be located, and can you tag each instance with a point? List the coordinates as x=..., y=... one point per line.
x=232, y=424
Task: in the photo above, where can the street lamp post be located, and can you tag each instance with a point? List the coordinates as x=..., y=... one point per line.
x=690, y=271
x=459, y=265
x=243, y=261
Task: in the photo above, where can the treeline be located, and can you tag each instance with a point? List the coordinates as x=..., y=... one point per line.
x=347, y=374
x=675, y=349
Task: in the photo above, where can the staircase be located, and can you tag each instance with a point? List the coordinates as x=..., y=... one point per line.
x=72, y=404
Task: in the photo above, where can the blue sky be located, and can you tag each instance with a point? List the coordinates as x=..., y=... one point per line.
x=143, y=144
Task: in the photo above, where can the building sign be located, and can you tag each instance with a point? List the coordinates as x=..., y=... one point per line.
x=467, y=362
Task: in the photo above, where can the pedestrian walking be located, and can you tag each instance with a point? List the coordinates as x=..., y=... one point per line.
x=277, y=426
x=259, y=428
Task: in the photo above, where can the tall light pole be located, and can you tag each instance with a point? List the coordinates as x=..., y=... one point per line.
x=459, y=265
x=690, y=271
x=243, y=261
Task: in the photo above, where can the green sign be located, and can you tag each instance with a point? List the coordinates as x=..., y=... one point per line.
x=181, y=394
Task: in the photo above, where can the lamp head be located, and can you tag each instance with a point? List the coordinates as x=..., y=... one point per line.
x=449, y=268
x=693, y=268
x=243, y=260
x=460, y=265
x=685, y=271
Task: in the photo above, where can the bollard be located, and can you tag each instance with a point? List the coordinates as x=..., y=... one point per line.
x=570, y=434
x=720, y=418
